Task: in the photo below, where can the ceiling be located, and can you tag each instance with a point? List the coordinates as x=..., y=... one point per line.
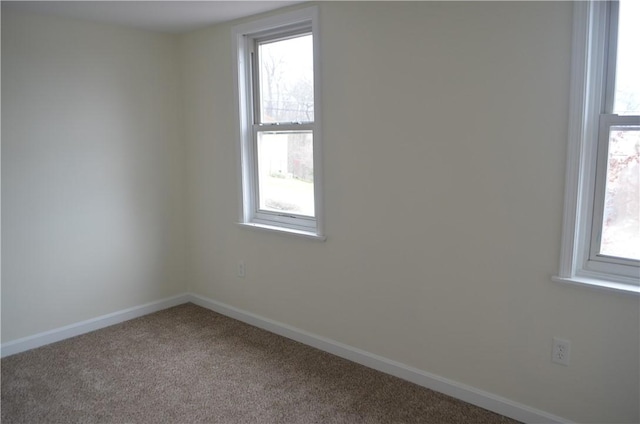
x=162, y=16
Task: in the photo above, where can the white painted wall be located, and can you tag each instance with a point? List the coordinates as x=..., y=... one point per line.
x=445, y=130
x=92, y=171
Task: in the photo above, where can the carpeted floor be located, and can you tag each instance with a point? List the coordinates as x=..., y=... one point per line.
x=191, y=365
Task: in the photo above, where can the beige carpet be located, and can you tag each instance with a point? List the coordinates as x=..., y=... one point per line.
x=191, y=365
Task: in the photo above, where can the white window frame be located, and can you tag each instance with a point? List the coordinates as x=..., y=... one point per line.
x=244, y=38
x=593, y=67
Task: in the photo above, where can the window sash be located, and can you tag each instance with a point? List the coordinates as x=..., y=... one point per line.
x=598, y=262
x=267, y=217
x=254, y=51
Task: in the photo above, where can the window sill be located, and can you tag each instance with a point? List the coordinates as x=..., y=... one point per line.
x=282, y=230
x=610, y=286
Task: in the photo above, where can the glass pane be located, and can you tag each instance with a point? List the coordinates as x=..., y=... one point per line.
x=627, y=94
x=621, y=220
x=285, y=172
x=286, y=80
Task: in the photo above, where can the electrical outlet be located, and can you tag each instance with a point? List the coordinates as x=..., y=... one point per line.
x=241, y=270
x=561, y=351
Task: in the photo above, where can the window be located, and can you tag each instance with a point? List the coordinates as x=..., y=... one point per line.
x=601, y=235
x=278, y=94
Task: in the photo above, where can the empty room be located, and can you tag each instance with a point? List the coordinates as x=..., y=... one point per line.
x=310, y=212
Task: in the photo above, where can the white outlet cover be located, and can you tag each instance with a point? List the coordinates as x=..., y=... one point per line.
x=561, y=351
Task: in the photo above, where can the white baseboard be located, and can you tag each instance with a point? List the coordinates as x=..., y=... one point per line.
x=55, y=335
x=452, y=388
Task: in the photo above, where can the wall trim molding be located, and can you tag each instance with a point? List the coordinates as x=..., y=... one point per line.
x=434, y=382
x=72, y=330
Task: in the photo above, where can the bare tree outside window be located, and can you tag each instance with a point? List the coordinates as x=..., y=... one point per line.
x=286, y=80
